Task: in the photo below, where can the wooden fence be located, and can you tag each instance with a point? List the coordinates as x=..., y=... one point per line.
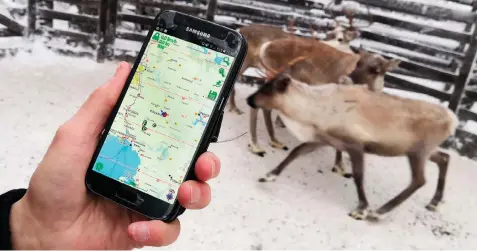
x=435, y=42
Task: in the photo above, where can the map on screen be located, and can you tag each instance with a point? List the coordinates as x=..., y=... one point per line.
x=160, y=122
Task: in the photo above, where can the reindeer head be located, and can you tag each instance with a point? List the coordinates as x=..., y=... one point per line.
x=342, y=34
x=270, y=95
x=345, y=32
x=371, y=69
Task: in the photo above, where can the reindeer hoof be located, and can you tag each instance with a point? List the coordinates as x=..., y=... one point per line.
x=359, y=214
x=340, y=170
x=279, y=145
x=279, y=124
x=348, y=175
x=235, y=110
x=268, y=178
x=374, y=216
x=256, y=150
x=432, y=207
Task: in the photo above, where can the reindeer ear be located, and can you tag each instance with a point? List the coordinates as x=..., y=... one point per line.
x=362, y=52
x=392, y=64
x=281, y=83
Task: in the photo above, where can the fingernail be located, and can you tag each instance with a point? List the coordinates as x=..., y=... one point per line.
x=121, y=65
x=140, y=232
x=212, y=165
x=194, y=195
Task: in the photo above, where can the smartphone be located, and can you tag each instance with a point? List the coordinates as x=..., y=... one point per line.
x=166, y=114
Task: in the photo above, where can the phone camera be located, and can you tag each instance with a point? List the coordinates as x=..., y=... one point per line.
x=231, y=41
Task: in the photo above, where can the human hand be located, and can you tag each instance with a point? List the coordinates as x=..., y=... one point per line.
x=58, y=213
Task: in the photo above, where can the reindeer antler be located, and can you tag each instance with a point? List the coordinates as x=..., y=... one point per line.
x=291, y=24
x=349, y=13
x=314, y=32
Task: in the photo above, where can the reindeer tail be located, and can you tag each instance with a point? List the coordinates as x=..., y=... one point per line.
x=453, y=122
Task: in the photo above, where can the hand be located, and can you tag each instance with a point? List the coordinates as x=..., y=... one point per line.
x=58, y=213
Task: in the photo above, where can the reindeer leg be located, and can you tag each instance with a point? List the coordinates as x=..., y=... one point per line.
x=253, y=146
x=357, y=164
x=345, y=80
x=442, y=161
x=232, y=104
x=339, y=165
x=267, y=115
x=417, y=162
x=279, y=122
x=302, y=149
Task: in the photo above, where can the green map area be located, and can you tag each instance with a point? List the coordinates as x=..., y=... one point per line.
x=163, y=115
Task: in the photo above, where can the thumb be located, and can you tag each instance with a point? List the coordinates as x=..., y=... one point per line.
x=154, y=233
x=93, y=114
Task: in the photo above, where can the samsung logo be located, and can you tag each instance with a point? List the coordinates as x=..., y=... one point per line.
x=197, y=32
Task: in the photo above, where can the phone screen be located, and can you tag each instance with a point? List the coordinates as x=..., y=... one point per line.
x=163, y=115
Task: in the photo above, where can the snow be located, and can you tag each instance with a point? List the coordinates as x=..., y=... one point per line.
x=4, y=11
x=470, y=126
x=12, y=4
x=225, y=19
x=415, y=56
x=436, y=85
x=303, y=209
x=63, y=7
x=474, y=107
x=127, y=45
x=446, y=4
x=446, y=25
x=11, y=42
x=413, y=36
x=275, y=7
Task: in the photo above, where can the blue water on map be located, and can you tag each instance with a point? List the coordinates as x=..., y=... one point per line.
x=163, y=149
x=218, y=60
x=199, y=120
x=118, y=158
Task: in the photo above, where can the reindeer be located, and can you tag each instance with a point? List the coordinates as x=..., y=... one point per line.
x=324, y=64
x=357, y=120
x=258, y=34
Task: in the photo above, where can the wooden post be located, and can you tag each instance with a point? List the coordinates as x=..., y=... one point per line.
x=102, y=29
x=462, y=79
x=211, y=8
x=31, y=11
x=112, y=21
x=140, y=10
x=48, y=4
x=468, y=63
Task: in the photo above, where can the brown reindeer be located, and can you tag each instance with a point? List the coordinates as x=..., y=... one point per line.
x=358, y=121
x=258, y=34
x=324, y=64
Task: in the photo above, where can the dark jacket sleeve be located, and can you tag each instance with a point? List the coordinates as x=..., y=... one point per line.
x=6, y=202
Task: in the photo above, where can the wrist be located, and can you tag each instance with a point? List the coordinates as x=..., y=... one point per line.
x=22, y=227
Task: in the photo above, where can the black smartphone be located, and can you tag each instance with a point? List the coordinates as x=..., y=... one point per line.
x=166, y=114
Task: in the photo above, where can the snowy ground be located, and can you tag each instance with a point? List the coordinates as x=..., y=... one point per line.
x=305, y=209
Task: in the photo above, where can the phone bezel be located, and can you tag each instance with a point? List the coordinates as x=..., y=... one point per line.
x=152, y=207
